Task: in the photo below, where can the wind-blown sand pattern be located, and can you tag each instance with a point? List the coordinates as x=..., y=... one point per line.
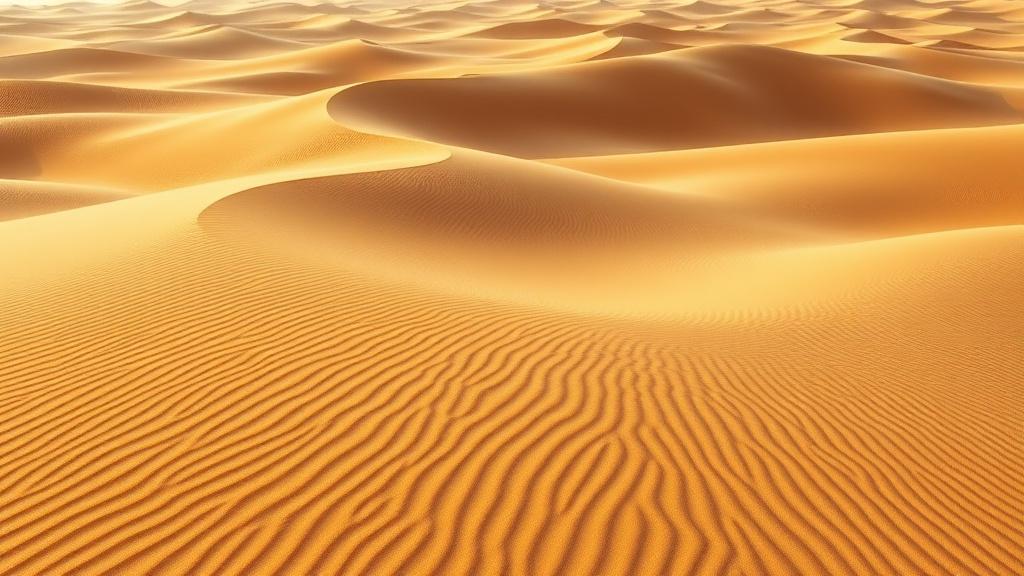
x=512, y=287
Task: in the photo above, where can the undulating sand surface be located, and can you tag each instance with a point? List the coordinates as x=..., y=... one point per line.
x=526, y=287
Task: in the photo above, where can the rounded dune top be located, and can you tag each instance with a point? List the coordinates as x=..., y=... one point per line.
x=547, y=28
x=711, y=96
x=211, y=42
x=181, y=19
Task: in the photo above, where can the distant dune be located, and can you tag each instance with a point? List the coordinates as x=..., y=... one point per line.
x=33, y=97
x=709, y=96
x=561, y=287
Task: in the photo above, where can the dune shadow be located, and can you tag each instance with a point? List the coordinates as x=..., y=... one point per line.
x=18, y=161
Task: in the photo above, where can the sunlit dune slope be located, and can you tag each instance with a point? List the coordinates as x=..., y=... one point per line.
x=23, y=198
x=573, y=287
x=194, y=148
x=862, y=187
x=36, y=97
x=213, y=41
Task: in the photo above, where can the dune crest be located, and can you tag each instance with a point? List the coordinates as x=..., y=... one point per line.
x=700, y=97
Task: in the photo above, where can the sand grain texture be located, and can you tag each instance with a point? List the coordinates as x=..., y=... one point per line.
x=609, y=287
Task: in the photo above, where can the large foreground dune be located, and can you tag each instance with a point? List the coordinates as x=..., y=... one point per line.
x=512, y=287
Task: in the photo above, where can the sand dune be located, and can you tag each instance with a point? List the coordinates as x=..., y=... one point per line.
x=213, y=42
x=66, y=61
x=311, y=69
x=552, y=28
x=11, y=45
x=977, y=69
x=823, y=183
x=875, y=37
x=24, y=97
x=512, y=287
x=177, y=20
x=72, y=148
x=482, y=229
x=649, y=32
x=666, y=101
x=24, y=198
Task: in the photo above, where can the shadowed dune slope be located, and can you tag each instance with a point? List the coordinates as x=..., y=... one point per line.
x=552, y=28
x=697, y=97
x=495, y=224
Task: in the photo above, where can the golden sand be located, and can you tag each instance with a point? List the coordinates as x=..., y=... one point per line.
x=580, y=287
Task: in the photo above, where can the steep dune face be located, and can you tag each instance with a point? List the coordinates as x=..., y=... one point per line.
x=512, y=287
x=706, y=97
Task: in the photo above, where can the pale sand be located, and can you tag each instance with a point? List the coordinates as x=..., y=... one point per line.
x=512, y=287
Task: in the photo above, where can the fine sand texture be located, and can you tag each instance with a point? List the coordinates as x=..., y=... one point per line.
x=512, y=287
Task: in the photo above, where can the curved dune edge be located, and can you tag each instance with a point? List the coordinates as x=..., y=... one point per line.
x=510, y=230
x=154, y=203
x=667, y=101
x=84, y=232
x=24, y=198
x=775, y=330
x=862, y=187
x=76, y=148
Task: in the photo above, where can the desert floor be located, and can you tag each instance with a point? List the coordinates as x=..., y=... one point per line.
x=528, y=287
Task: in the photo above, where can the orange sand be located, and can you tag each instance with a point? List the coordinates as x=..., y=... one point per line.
x=581, y=287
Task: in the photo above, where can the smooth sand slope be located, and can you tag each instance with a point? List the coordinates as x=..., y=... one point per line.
x=569, y=287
